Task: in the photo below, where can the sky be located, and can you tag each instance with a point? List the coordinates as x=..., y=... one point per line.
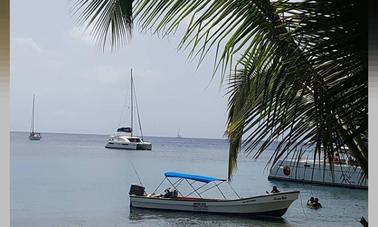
x=81, y=89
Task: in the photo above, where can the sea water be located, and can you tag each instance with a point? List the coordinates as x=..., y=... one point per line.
x=73, y=180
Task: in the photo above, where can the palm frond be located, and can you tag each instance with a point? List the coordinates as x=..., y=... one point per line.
x=107, y=20
x=297, y=71
x=324, y=79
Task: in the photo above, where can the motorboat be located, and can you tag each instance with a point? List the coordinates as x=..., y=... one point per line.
x=34, y=135
x=269, y=204
x=343, y=173
x=124, y=137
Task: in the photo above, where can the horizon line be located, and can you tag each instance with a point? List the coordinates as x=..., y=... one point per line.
x=79, y=133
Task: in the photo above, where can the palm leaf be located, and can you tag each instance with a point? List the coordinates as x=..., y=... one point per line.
x=107, y=20
x=296, y=71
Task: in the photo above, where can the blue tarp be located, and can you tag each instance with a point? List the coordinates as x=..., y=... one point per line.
x=204, y=179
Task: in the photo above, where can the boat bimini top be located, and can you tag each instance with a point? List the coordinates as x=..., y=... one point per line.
x=204, y=179
x=191, y=179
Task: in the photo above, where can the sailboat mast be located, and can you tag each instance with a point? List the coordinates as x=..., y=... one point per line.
x=32, y=122
x=132, y=105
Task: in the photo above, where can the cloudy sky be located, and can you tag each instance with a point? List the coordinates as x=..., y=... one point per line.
x=80, y=89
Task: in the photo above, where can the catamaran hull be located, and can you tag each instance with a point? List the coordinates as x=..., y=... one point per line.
x=129, y=146
x=274, y=205
x=144, y=146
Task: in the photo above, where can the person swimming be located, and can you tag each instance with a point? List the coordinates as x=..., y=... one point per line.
x=313, y=203
x=316, y=204
x=310, y=201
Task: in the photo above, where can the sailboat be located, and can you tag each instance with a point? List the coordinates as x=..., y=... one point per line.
x=178, y=134
x=34, y=135
x=124, y=137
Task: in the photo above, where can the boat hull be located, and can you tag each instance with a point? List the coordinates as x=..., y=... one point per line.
x=274, y=205
x=306, y=172
x=144, y=146
x=34, y=137
x=129, y=146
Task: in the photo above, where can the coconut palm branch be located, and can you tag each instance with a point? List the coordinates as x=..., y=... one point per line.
x=109, y=21
x=296, y=71
x=329, y=110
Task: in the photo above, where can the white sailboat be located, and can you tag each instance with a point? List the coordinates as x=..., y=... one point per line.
x=179, y=134
x=34, y=135
x=124, y=138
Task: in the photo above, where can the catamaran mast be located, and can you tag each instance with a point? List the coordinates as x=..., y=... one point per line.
x=32, y=122
x=132, y=109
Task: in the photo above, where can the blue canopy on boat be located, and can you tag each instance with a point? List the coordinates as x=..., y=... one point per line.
x=204, y=179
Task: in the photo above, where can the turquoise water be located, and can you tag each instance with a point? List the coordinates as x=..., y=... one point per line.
x=72, y=180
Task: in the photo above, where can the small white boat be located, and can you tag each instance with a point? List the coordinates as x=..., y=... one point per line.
x=345, y=173
x=34, y=135
x=274, y=204
x=124, y=138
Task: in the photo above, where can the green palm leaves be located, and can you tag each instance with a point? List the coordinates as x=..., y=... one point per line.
x=296, y=71
x=310, y=90
x=108, y=20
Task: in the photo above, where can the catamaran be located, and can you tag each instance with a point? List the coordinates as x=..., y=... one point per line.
x=34, y=135
x=124, y=138
x=271, y=204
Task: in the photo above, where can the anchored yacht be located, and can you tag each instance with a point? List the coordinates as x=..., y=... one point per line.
x=124, y=137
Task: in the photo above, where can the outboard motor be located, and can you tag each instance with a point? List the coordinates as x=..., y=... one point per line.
x=136, y=190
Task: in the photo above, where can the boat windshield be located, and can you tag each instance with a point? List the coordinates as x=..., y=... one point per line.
x=134, y=140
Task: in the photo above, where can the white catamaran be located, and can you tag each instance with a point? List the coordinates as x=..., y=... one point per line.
x=34, y=135
x=273, y=204
x=124, y=138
